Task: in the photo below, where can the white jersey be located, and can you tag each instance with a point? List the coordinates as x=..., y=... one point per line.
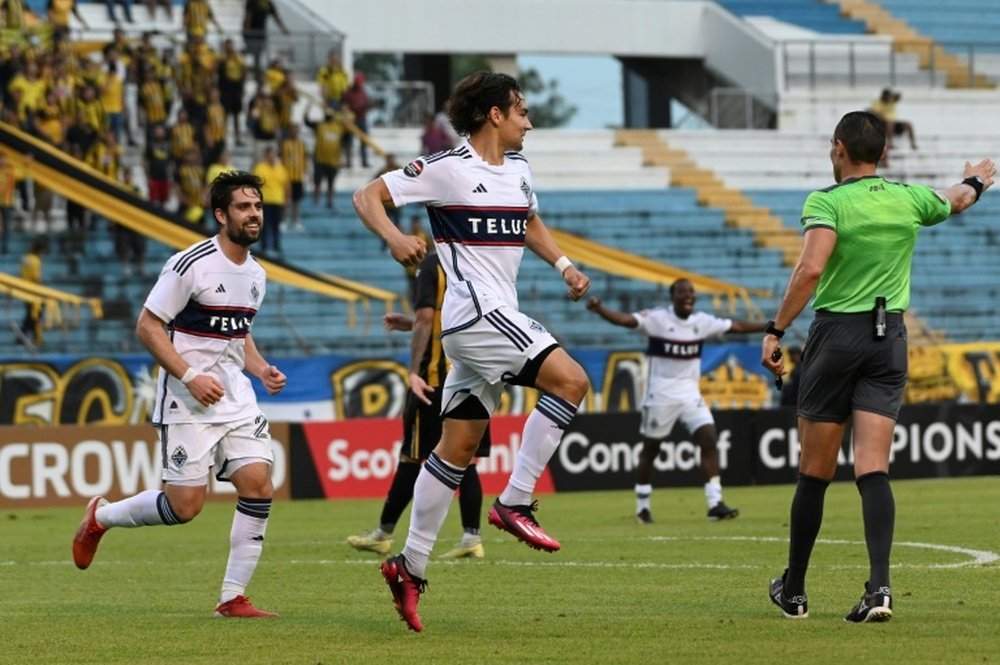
x=674, y=351
x=479, y=214
x=209, y=303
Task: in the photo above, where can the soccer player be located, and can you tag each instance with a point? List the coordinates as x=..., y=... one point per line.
x=196, y=324
x=483, y=212
x=676, y=335
x=856, y=257
x=422, y=421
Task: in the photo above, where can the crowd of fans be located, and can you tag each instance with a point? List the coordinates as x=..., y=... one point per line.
x=176, y=106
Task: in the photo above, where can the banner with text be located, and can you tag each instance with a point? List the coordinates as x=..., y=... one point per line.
x=66, y=466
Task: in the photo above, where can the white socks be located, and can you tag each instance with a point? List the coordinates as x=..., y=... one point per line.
x=642, y=497
x=713, y=491
x=543, y=431
x=246, y=541
x=149, y=508
x=432, y=494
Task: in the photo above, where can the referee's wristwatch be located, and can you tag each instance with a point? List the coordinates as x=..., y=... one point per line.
x=771, y=330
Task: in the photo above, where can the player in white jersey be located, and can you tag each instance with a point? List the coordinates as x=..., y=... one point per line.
x=483, y=212
x=676, y=335
x=196, y=323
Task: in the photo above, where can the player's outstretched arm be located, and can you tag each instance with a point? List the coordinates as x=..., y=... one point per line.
x=624, y=319
x=967, y=192
x=370, y=202
x=540, y=241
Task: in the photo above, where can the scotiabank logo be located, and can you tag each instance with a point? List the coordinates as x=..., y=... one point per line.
x=357, y=458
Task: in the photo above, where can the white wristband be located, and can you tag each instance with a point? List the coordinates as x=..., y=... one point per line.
x=561, y=264
x=188, y=376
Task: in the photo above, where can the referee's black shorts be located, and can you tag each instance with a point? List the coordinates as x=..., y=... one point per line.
x=844, y=368
x=422, y=427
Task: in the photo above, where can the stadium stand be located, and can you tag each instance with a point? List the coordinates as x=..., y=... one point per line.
x=812, y=14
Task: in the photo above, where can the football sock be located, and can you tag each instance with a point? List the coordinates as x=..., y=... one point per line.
x=149, y=508
x=806, y=518
x=470, y=500
x=432, y=496
x=878, y=508
x=246, y=541
x=643, y=494
x=542, y=432
x=400, y=493
x=713, y=491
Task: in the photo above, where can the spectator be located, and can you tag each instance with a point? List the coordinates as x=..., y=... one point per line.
x=435, y=138
x=126, y=9
x=255, y=15
x=215, y=126
x=57, y=12
x=232, y=75
x=182, y=137
x=152, y=103
x=358, y=102
x=197, y=14
x=333, y=80
x=31, y=270
x=113, y=99
x=190, y=187
x=293, y=156
x=263, y=118
x=885, y=108
x=158, y=165
x=13, y=12
x=326, y=154
x=274, y=194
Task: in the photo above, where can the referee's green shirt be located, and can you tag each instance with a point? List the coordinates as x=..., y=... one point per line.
x=876, y=222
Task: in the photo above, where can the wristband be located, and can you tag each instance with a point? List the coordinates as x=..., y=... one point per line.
x=771, y=330
x=561, y=264
x=188, y=376
x=976, y=183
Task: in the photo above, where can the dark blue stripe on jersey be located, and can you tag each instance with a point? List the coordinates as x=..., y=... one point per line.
x=260, y=508
x=511, y=154
x=508, y=330
x=449, y=476
x=556, y=409
x=665, y=348
x=486, y=226
x=219, y=322
x=200, y=250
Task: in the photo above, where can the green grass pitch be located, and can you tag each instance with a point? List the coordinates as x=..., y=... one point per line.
x=682, y=590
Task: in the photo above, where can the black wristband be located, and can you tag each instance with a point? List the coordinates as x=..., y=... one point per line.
x=771, y=330
x=976, y=183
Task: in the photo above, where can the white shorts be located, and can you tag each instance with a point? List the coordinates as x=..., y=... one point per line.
x=189, y=450
x=659, y=419
x=488, y=353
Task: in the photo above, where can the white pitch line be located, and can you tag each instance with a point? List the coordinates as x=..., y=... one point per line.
x=976, y=557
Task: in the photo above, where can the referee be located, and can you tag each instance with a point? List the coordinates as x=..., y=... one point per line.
x=856, y=256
